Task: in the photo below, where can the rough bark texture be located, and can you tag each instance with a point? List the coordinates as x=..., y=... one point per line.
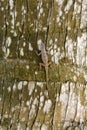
x=24, y=100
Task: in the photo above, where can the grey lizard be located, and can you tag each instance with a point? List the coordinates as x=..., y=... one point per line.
x=44, y=57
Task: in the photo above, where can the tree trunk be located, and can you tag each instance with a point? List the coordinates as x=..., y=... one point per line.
x=25, y=103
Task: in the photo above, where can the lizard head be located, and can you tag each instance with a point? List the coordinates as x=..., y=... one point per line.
x=40, y=44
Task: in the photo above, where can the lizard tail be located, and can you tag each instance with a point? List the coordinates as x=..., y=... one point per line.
x=47, y=79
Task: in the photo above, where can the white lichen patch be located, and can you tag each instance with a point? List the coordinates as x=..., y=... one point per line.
x=40, y=84
x=67, y=7
x=60, y=2
x=21, y=51
x=57, y=97
x=56, y=55
x=0, y=99
x=47, y=106
x=2, y=8
x=40, y=9
x=5, y=115
x=17, y=24
x=80, y=116
x=30, y=47
x=81, y=49
x=77, y=9
x=51, y=52
x=33, y=108
x=6, y=51
x=72, y=103
x=28, y=103
x=51, y=41
x=55, y=41
x=20, y=85
x=14, y=33
x=11, y=3
x=12, y=109
x=24, y=44
x=75, y=78
x=31, y=86
x=39, y=44
x=14, y=87
x=24, y=109
x=57, y=19
x=25, y=83
x=19, y=126
x=12, y=19
x=44, y=28
x=64, y=99
x=64, y=90
x=36, y=72
x=84, y=14
x=23, y=119
x=41, y=102
x=8, y=41
x=9, y=89
x=37, y=125
x=2, y=0
x=27, y=67
x=44, y=127
x=85, y=93
x=60, y=13
x=46, y=93
x=41, y=98
x=23, y=10
x=69, y=48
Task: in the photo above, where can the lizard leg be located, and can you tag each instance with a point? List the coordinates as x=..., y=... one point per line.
x=49, y=63
x=41, y=64
x=38, y=54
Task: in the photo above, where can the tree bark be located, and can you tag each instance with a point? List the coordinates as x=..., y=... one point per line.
x=24, y=100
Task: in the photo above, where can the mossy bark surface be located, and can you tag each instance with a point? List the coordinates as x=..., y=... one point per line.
x=24, y=100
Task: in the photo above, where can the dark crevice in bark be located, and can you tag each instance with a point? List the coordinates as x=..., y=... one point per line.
x=65, y=36
x=37, y=109
x=27, y=5
x=53, y=106
x=14, y=9
x=12, y=122
x=1, y=112
x=59, y=91
x=10, y=105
